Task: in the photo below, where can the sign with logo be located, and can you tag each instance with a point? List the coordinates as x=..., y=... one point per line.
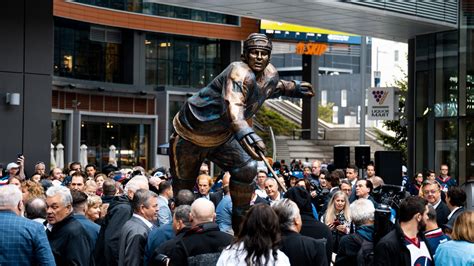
x=311, y=48
x=381, y=103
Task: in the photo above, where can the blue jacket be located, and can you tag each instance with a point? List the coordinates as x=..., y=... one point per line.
x=23, y=242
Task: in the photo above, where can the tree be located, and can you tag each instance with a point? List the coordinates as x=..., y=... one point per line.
x=399, y=141
x=325, y=112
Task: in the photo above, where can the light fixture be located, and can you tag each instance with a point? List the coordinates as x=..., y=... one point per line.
x=13, y=98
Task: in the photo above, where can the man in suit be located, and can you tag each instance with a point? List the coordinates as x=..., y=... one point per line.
x=135, y=231
x=118, y=212
x=165, y=193
x=431, y=191
x=70, y=242
x=301, y=250
x=23, y=241
x=455, y=200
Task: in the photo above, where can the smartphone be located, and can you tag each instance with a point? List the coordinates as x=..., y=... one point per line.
x=19, y=155
x=336, y=223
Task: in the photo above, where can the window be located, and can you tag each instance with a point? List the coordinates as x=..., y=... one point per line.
x=156, y=9
x=87, y=52
x=181, y=61
x=324, y=97
x=343, y=98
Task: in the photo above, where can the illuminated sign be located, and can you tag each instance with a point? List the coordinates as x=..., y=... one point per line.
x=311, y=48
x=287, y=31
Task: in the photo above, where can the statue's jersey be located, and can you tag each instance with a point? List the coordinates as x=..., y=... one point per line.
x=211, y=116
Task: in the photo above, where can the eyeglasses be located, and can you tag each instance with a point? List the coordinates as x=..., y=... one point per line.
x=427, y=192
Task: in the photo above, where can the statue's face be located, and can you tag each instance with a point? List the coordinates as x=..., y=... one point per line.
x=258, y=59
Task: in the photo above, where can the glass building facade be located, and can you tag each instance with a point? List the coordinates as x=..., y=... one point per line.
x=181, y=61
x=161, y=10
x=442, y=80
x=82, y=51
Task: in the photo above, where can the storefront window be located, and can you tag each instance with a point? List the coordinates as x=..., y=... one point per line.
x=132, y=142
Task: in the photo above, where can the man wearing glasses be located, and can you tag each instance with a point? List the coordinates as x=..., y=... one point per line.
x=431, y=191
x=444, y=179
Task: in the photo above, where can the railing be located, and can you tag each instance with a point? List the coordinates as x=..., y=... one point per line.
x=298, y=133
x=273, y=143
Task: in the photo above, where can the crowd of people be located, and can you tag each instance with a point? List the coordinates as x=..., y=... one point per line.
x=315, y=215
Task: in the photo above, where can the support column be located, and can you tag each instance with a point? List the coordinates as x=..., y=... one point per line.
x=309, y=116
x=26, y=57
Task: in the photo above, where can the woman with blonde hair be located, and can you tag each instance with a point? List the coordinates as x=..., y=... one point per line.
x=93, y=208
x=338, y=217
x=460, y=250
x=31, y=190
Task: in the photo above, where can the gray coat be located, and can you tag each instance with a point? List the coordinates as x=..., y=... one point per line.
x=132, y=242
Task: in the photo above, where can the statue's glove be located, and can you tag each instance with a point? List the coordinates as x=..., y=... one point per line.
x=303, y=89
x=251, y=143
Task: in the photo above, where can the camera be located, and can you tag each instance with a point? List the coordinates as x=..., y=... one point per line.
x=390, y=195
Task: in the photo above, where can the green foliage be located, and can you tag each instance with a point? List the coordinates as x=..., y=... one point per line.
x=325, y=112
x=280, y=125
x=399, y=141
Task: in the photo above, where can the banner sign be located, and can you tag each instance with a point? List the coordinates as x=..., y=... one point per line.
x=382, y=103
x=287, y=31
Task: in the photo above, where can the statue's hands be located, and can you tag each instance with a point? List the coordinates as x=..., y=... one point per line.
x=306, y=89
x=253, y=145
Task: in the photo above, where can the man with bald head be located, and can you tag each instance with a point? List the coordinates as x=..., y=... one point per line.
x=204, y=241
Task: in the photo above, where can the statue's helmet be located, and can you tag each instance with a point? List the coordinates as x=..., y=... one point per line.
x=257, y=41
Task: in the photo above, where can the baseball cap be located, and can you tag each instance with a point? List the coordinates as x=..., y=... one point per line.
x=12, y=165
x=160, y=175
x=297, y=174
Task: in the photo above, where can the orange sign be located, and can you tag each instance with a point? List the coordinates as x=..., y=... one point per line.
x=311, y=48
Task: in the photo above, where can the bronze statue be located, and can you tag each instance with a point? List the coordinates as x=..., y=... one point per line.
x=215, y=122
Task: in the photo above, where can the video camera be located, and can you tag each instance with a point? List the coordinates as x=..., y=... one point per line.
x=389, y=198
x=390, y=195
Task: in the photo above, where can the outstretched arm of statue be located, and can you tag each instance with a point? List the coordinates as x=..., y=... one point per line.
x=295, y=89
x=235, y=92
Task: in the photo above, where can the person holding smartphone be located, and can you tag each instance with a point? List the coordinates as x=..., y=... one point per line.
x=337, y=217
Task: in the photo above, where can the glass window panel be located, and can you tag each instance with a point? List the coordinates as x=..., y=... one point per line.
x=198, y=75
x=180, y=73
x=163, y=72
x=446, y=74
x=151, y=73
x=212, y=53
x=151, y=8
x=446, y=144
x=212, y=70
x=470, y=149
x=76, y=56
x=180, y=50
x=470, y=71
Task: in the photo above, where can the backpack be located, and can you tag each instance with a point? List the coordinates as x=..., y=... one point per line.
x=365, y=255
